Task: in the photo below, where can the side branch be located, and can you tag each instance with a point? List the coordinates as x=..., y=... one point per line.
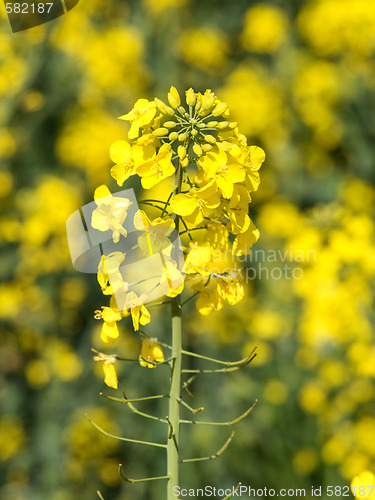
x=231, y=422
x=135, y=441
x=133, y=481
x=211, y=457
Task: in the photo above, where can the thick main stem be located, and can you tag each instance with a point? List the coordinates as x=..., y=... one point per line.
x=175, y=389
x=174, y=406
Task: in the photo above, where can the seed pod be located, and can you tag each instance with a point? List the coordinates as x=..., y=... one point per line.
x=159, y=132
x=181, y=151
x=190, y=97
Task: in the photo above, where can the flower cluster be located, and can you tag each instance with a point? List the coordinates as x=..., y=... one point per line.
x=214, y=173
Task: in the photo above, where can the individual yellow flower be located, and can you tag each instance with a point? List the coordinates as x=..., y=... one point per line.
x=142, y=115
x=199, y=259
x=120, y=153
x=110, y=375
x=151, y=353
x=110, y=330
x=231, y=289
x=197, y=203
x=110, y=213
x=217, y=236
x=265, y=28
x=172, y=279
x=157, y=168
x=138, y=311
x=243, y=241
x=156, y=232
x=109, y=277
x=363, y=485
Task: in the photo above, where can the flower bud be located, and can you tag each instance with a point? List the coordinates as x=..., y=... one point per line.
x=206, y=148
x=190, y=97
x=169, y=124
x=220, y=108
x=210, y=139
x=198, y=106
x=183, y=137
x=166, y=110
x=194, y=132
x=212, y=124
x=173, y=136
x=159, y=132
x=185, y=162
x=174, y=98
x=209, y=103
x=197, y=150
x=201, y=125
x=233, y=125
x=181, y=151
x=182, y=110
x=222, y=125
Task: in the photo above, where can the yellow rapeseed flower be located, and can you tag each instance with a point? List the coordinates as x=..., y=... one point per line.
x=151, y=353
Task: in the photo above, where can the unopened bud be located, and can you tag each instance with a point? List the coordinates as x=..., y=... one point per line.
x=222, y=125
x=220, y=109
x=233, y=125
x=170, y=124
x=181, y=151
x=206, y=148
x=201, y=125
x=209, y=103
x=185, y=162
x=212, y=124
x=174, y=98
x=210, y=139
x=197, y=150
x=182, y=110
x=183, y=137
x=194, y=132
x=166, y=110
x=190, y=97
x=159, y=132
x=173, y=136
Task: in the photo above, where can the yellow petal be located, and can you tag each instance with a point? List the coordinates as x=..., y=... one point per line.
x=110, y=375
x=120, y=151
x=101, y=192
x=181, y=204
x=109, y=332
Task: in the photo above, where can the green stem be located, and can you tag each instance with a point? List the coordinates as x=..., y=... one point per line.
x=175, y=388
x=174, y=406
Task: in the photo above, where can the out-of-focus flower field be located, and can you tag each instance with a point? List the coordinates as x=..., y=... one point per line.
x=299, y=77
